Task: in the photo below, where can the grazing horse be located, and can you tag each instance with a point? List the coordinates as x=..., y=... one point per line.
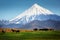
x=3, y=31
x=15, y=30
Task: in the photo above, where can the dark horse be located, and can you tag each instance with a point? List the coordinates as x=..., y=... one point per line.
x=15, y=30
x=3, y=31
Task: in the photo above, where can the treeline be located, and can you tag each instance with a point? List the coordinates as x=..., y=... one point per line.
x=44, y=29
x=18, y=30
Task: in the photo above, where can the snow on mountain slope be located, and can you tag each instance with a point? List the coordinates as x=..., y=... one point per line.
x=31, y=14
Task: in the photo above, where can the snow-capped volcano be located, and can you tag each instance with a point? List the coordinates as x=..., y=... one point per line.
x=34, y=17
x=35, y=12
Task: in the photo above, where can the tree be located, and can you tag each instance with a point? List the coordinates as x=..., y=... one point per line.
x=35, y=29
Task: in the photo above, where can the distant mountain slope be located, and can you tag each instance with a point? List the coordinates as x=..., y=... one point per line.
x=34, y=24
x=42, y=24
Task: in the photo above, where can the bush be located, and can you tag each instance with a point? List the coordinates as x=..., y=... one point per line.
x=35, y=29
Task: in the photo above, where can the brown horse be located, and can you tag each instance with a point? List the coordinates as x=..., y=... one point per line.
x=15, y=30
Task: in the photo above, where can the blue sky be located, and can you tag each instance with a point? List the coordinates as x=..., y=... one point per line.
x=11, y=8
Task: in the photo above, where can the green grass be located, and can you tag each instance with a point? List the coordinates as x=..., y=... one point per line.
x=38, y=35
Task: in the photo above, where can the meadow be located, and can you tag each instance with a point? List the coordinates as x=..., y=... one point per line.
x=35, y=35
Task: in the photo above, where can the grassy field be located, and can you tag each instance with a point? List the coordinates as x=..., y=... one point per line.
x=36, y=35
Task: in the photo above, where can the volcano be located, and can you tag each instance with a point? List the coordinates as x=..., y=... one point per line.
x=35, y=12
x=37, y=16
